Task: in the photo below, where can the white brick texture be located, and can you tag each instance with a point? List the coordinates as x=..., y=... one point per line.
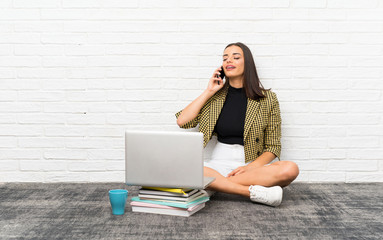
x=74, y=74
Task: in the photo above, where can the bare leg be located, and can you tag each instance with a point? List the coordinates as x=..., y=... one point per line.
x=280, y=173
x=223, y=184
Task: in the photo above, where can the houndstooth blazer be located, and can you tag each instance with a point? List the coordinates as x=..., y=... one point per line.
x=262, y=131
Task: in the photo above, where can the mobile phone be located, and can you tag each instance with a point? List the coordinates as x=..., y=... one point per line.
x=222, y=74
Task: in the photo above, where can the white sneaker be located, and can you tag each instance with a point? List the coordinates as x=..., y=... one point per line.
x=271, y=196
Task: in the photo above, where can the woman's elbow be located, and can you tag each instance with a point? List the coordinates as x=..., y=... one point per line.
x=179, y=122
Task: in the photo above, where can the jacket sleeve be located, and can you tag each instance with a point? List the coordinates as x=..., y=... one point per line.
x=273, y=129
x=205, y=108
x=192, y=123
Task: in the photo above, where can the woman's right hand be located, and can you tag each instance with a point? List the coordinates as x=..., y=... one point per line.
x=213, y=85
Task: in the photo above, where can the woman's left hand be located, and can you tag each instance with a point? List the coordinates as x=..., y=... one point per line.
x=238, y=170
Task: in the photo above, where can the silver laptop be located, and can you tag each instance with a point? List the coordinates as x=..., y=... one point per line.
x=165, y=159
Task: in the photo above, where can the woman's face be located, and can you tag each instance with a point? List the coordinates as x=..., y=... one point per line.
x=233, y=62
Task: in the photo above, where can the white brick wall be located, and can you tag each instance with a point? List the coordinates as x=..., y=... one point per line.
x=75, y=73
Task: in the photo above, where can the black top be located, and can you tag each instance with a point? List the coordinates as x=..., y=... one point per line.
x=231, y=121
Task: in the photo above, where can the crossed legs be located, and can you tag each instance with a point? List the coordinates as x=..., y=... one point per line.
x=280, y=173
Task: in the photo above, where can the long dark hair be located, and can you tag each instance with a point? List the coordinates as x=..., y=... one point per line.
x=252, y=85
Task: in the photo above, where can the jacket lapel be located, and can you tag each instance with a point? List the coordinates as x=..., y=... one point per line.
x=216, y=107
x=251, y=113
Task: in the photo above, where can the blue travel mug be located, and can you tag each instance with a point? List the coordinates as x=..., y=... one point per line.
x=118, y=199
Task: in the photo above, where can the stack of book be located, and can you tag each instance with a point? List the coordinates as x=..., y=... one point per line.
x=169, y=201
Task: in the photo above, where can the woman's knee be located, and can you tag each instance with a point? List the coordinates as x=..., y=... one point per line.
x=289, y=171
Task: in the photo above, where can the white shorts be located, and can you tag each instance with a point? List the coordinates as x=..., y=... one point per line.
x=226, y=157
